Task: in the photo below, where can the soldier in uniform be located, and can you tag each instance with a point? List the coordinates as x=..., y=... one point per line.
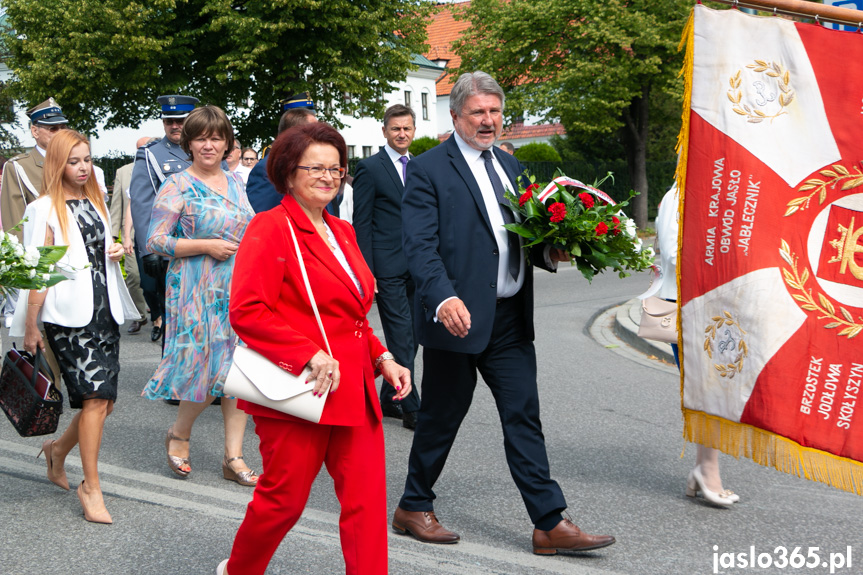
x=22, y=184
x=22, y=175
x=153, y=164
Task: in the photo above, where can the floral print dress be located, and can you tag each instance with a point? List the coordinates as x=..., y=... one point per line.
x=199, y=340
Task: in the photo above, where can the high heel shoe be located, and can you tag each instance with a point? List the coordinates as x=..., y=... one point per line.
x=175, y=462
x=247, y=478
x=730, y=495
x=90, y=515
x=695, y=483
x=58, y=479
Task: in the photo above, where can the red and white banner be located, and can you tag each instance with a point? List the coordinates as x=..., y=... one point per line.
x=771, y=261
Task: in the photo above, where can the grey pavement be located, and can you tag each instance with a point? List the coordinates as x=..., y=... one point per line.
x=611, y=418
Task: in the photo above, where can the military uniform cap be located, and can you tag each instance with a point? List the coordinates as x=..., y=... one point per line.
x=48, y=113
x=176, y=106
x=301, y=100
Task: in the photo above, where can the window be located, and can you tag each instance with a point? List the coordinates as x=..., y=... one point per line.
x=408, y=98
x=367, y=151
x=352, y=151
x=425, y=102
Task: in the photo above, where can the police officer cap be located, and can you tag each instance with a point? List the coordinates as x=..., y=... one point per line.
x=176, y=106
x=48, y=113
x=301, y=100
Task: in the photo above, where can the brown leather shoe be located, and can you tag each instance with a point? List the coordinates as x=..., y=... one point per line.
x=423, y=525
x=567, y=537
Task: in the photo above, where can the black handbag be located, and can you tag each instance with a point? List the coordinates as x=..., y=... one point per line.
x=28, y=395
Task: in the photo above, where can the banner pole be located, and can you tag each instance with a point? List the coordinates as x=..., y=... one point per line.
x=803, y=8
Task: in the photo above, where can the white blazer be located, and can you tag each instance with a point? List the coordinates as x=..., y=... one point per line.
x=69, y=303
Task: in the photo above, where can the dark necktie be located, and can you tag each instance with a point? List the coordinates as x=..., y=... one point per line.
x=404, y=161
x=512, y=239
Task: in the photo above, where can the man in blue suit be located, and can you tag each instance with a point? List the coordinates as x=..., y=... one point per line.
x=474, y=312
x=378, y=188
x=259, y=189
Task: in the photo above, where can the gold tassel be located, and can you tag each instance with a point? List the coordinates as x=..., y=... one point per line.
x=771, y=450
x=687, y=40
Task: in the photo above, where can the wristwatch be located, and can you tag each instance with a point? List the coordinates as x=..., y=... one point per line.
x=382, y=358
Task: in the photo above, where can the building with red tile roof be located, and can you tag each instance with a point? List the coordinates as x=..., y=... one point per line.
x=443, y=31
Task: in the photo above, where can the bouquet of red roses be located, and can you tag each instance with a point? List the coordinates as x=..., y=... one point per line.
x=582, y=220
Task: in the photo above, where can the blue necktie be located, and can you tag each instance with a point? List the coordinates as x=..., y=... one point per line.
x=512, y=239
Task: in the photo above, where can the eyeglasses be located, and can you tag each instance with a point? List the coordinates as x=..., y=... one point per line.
x=169, y=121
x=318, y=171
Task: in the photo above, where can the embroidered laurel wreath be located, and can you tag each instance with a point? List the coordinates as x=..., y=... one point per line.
x=726, y=369
x=753, y=114
x=835, y=175
x=797, y=281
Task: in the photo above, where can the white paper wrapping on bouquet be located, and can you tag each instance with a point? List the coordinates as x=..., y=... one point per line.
x=567, y=181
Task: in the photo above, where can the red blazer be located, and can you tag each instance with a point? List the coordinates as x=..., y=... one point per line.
x=271, y=312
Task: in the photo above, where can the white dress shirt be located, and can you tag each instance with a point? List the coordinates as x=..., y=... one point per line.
x=506, y=285
x=395, y=157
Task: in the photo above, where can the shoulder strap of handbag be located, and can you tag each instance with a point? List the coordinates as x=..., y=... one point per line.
x=308, y=286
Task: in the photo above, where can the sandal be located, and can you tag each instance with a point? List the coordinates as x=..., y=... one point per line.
x=247, y=478
x=174, y=462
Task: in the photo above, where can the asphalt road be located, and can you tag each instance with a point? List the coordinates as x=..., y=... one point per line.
x=612, y=423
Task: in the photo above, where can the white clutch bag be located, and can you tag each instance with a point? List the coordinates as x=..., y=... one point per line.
x=256, y=379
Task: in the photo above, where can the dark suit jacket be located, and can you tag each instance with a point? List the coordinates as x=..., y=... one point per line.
x=260, y=191
x=271, y=313
x=377, y=216
x=450, y=247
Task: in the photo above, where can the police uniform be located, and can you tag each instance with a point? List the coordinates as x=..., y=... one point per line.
x=22, y=175
x=153, y=164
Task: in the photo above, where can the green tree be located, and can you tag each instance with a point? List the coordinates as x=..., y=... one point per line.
x=537, y=152
x=109, y=59
x=594, y=66
x=423, y=144
x=9, y=143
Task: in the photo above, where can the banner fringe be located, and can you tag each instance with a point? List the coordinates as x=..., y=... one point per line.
x=771, y=450
x=687, y=40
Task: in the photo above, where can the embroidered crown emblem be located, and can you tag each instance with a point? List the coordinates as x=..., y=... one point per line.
x=847, y=247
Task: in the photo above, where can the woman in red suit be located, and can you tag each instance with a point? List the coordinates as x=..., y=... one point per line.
x=271, y=313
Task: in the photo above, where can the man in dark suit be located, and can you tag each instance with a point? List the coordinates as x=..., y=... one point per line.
x=259, y=189
x=378, y=188
x=474, y=312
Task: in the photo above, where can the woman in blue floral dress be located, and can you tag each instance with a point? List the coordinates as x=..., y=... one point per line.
x=199, y=217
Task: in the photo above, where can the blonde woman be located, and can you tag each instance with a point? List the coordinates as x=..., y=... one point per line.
x=82, y=314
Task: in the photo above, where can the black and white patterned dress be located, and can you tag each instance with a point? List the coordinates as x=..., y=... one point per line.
x=89, y=356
